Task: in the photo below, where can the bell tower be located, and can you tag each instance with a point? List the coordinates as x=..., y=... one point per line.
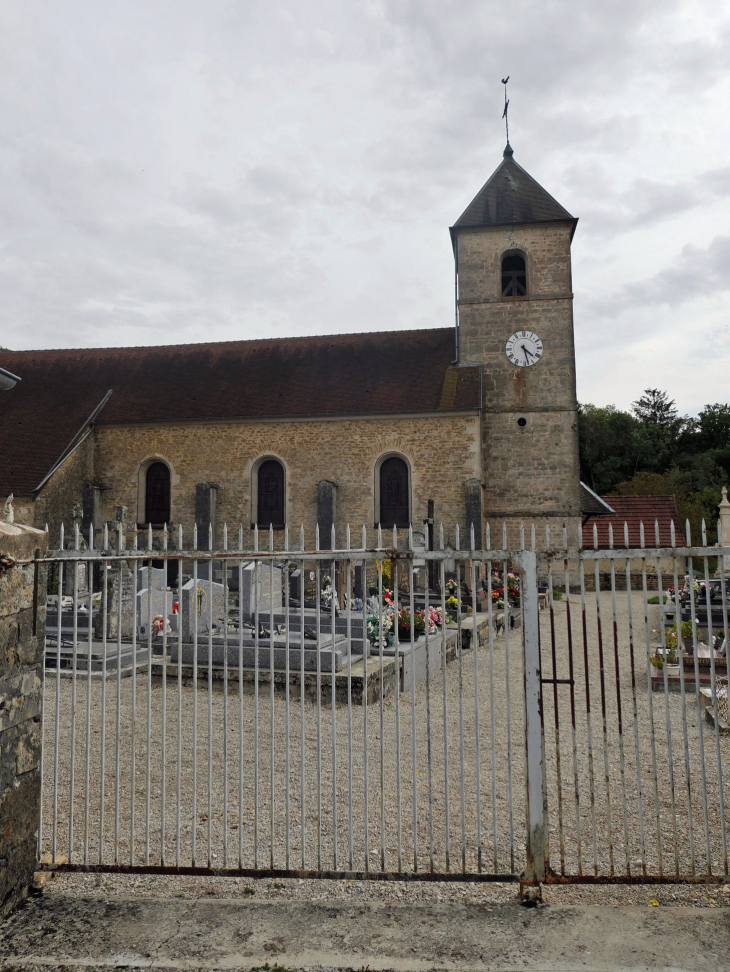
x=515, y=319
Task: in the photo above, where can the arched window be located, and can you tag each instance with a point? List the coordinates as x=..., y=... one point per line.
x=157, y=493
x=270, y=494
x=394, y=505
x=514, y=276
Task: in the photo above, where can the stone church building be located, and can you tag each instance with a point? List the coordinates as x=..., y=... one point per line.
x=471, y=424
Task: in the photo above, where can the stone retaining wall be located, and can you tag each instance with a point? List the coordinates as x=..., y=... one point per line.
x=22, y=633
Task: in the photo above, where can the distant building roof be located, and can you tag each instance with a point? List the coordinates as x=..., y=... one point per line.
x=345, y=374
x=511, y=196
x=634, y=510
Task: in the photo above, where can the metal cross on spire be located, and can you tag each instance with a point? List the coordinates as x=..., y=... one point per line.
x=506, y=106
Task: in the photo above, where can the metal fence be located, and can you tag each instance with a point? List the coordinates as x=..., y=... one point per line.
x=537, y=739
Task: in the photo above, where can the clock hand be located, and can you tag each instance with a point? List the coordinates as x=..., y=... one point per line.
x=526, y=351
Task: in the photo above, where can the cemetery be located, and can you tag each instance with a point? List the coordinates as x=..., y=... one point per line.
x=208, y=626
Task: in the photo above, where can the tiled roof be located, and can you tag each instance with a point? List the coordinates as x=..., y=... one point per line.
x=634, y=510
x=511, y=196
x=345, y=374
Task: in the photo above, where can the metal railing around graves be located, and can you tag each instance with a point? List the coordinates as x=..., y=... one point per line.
x=550, y=725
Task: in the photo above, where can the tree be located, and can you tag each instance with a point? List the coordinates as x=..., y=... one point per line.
x=655, y=408
x=713, y=426
x=611, y=446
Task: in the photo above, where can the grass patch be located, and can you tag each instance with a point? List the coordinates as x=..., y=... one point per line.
x=655, y=599
x=557, y=594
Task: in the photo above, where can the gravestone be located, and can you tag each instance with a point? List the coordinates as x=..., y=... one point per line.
x=473, y=504
x=68, y=578
x=150, y=605
x=206, y=495
x=326, y=512
x=122, y=579
x=256, y=581
x=295, y=584
x=155, y=577
x=196, y=609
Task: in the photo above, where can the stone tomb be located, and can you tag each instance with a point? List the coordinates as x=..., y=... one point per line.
x=247, y=653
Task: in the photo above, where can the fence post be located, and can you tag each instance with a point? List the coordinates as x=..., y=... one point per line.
x=537, y=830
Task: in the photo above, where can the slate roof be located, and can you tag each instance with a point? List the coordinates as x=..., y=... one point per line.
x=511, y=196
x=590, y=502
x=633, y=510
x=345, y=374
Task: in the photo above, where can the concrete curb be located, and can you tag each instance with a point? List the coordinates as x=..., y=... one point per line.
x=70, y=931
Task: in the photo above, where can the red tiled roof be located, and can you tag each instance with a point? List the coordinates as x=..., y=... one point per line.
x=382, y=372
x=634, y=510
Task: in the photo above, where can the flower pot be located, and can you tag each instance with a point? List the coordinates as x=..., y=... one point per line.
x=672, y=669
x=688, y=646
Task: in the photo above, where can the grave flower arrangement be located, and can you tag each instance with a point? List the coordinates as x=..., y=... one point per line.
x=404, y=623
x=435, y=619
x=375, y=635
x=451, y=586
x=658, y=661
x=160, y=624
x=685, y=631
x=327, y=591
x=381, y=639
x=513, y=587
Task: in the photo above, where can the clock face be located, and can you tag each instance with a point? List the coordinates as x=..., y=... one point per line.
x=524, y=348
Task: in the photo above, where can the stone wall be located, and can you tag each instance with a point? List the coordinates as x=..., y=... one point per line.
x=443, y=452
x=22, y=634
x=65, y=490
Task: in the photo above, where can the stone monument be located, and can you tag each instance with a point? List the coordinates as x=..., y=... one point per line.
x=724, y=529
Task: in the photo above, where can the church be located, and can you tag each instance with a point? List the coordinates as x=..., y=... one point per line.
x=465, y=425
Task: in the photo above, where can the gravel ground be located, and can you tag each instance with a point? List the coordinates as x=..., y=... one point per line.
x=618, y=832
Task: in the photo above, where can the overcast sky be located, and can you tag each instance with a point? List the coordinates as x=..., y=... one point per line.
x=203, y=170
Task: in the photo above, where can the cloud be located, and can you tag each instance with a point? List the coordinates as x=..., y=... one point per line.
x=181, y=171
x=696, y=273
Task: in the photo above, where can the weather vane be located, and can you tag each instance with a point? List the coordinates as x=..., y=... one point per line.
x=506, y=106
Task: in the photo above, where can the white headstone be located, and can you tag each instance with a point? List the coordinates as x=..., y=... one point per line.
x=256, y=589
x=155, y=577
x=202, y=604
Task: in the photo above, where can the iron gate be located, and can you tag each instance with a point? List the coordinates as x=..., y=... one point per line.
x=301, y=737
